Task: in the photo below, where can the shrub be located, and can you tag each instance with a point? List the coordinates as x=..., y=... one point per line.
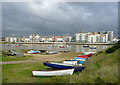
x=114, y=48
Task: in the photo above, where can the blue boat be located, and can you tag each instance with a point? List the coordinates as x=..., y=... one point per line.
x=93, y=47
x=68, y=45
x=54, y=45
x=48, y=46
x=80, y=58
x=66, y=51
x=63, y=66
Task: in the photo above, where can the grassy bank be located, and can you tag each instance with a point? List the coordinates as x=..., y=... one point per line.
x=100, y=68
x=4, y=57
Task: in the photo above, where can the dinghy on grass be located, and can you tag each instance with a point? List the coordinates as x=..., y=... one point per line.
x=72, y=62
x=81, y=59
x=53, y=72
x=82, y=56
x=63, y=66
x=86, y=53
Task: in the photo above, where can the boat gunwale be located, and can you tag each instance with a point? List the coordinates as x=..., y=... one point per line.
x=54, y=70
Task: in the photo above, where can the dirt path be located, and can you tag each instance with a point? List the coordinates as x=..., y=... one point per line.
x=42, y=58
x=14, y=62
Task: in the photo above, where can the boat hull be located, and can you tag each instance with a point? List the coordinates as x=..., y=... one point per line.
x=86, y=53
x=72, y=62
x=86, y=46
x=64, y=66
x=80, y=58
x=53, y=73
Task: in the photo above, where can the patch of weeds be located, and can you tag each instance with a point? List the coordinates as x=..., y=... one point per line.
x=97, y=65
x=99, y=80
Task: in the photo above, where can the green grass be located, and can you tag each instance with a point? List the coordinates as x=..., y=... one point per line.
x=100, y=68
x=14, y=58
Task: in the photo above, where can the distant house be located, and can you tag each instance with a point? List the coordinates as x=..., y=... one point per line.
x=59, y=39
x=26, y=39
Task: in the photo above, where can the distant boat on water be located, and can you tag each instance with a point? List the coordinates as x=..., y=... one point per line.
x=54, y=45
x=62, y=46
x=68, y=45
x=48, y=46
x=52, y=52
x=86, y=46
x=33, y=52
x=93, y=47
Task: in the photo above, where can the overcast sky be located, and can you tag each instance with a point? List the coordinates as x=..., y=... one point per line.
x=58, y=18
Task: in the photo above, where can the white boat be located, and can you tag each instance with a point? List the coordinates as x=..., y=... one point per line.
x=68, y=45
x=53, y=72
x=72, y=62
x=85, y=53
x=52, y=52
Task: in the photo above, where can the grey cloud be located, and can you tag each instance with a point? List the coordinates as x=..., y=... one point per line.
x=58, y=18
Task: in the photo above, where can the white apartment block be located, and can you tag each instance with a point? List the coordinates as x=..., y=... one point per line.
x=12, y=39
x=94, y=37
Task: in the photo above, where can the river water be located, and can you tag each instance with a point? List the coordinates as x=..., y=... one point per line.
x=50, y=47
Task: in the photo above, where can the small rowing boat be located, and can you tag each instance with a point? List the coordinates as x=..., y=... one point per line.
x=82, y=56
x=52, y=72
x=63, y=66
x=72, y=62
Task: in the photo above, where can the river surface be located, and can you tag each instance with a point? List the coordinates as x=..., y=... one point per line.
x=50, y=47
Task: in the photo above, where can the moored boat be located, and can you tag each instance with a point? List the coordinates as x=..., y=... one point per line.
x=63, y=66
x=78, y=58
x=83, y=56
x=42, y=50
x=52, y=52
x=66, y=51
x=33, y=52
x=86, y=46
x=62, y=46
x=92, y=47
x=72, y=62
x=86, y=53
x=54, y=45
x=68, y=45
x=53, y=72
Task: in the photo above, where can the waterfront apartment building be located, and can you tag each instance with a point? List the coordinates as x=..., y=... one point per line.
x=110, y=36
x=12, y=39
x=96, y=37
x=67, y=38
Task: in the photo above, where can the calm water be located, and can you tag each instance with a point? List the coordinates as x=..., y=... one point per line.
x=75, y=48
